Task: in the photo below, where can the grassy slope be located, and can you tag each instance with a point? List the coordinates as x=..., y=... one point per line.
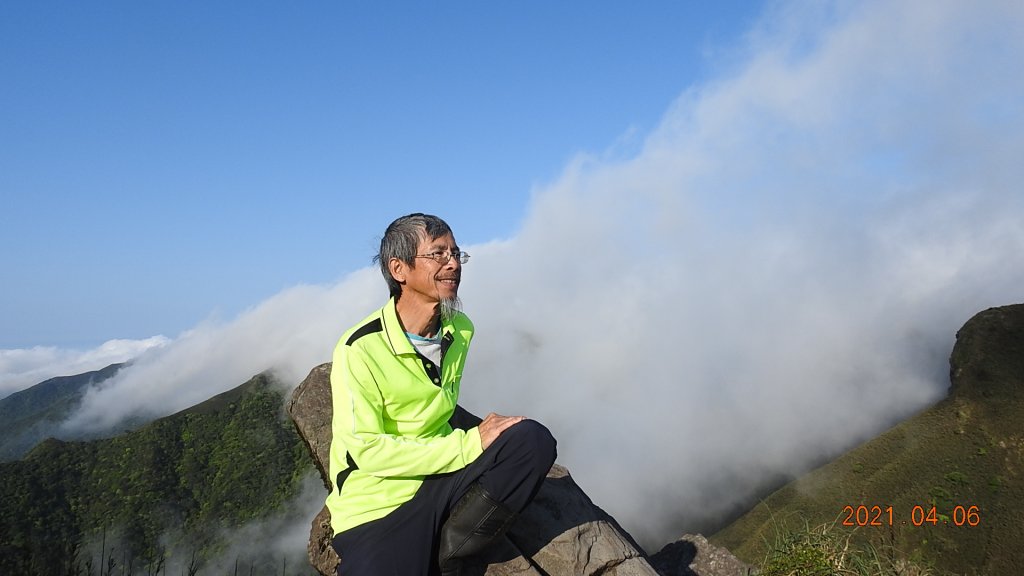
x=967, y=450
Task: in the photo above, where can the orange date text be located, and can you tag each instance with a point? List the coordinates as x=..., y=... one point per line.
x=919, y=516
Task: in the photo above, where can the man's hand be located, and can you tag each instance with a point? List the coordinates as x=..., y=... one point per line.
x=493, y=425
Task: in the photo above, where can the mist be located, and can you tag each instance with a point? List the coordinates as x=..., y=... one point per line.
x=775, y=273
x=24, y=367
x=778, y=273
x=274, y=543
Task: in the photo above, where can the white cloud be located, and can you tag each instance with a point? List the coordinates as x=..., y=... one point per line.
x=290, y=332
x=24, y=367
x=779, y=272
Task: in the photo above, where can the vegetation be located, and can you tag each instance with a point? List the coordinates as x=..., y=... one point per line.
x=825, y=551
x=943, y=486
x=174, y=484
x=31, y=415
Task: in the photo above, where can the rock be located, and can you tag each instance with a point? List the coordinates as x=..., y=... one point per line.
x=693, y=555
x=310, y=409
x=562, y=532
x=987, y=362
x=321, y=554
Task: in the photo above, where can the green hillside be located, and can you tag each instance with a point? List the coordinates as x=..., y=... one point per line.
x=173, y=484
x=34, y=414
x=963, y=457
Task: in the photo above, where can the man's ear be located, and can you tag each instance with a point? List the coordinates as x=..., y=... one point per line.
x=398, y=269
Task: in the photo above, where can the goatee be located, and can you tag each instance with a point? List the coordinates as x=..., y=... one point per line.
x=450, y=307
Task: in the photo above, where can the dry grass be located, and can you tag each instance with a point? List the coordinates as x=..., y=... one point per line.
x=824, y=551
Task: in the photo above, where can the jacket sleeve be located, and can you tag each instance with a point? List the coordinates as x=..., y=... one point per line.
x=359, y=408
x=463, y=419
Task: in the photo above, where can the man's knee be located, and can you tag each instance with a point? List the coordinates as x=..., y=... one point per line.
x=537, y=440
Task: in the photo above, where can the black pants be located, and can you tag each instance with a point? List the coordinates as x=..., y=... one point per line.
x=405, y=542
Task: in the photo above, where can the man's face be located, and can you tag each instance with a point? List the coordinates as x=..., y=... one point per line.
x=429, y=280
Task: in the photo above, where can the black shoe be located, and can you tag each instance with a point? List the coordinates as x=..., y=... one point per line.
x=476, y=520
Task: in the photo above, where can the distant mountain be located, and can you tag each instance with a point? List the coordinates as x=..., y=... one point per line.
x=34, y=414
x=944, y=487
x=179, y=483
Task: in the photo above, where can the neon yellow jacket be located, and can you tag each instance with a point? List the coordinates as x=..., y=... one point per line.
x=391, y=410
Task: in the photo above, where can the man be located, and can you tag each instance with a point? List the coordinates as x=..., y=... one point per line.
x=420, y=483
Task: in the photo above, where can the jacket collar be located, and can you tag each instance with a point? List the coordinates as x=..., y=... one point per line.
x=396, y=335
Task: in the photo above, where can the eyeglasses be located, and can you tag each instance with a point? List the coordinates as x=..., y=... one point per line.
x=443, y=256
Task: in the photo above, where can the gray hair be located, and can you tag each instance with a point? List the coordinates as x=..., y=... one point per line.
x=401, y=240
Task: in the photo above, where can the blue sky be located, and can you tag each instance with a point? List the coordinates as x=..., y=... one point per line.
x=162, y=162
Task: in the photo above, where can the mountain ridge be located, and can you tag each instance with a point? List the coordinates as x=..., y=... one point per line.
x=177, y=483
x=942, y=486
x=31, y=415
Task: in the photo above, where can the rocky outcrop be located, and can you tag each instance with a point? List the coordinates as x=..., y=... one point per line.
x=988, y=358
x=310, y=409
x=561, y=533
